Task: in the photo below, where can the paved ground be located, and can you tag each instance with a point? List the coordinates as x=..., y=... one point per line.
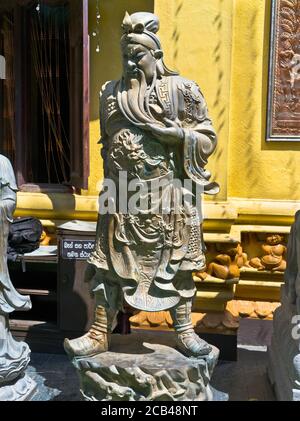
x=55, y=376
x=243, y=380
x=247, y=379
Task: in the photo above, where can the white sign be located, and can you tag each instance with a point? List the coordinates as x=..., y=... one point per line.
x=77, y=249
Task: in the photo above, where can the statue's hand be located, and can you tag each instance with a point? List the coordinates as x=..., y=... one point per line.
x=170, y=135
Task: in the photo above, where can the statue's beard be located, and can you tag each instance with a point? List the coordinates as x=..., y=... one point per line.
x=133, y=98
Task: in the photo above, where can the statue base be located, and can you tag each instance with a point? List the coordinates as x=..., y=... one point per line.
x=15, y=384
x=145, y=366
x=21, y=389
x=284, y=353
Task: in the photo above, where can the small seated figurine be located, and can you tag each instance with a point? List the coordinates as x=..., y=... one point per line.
x=45, y=239
x=227, y=265
x=273, y=258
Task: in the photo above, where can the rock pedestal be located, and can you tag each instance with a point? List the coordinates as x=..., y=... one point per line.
x=284, y=353
x=145, y=367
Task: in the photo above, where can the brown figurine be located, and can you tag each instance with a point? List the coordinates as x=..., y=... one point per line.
x=273, y=258
x=45, y=239
x=227, y=265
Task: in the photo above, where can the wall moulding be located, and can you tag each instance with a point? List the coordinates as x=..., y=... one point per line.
x=225, y=219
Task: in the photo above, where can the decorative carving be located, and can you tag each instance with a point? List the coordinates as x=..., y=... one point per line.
x=226, y=265
x=249, y=306
x=252, y=309
x=284, y=89
x=153, y=319
x=273, y=257
x=215, y=320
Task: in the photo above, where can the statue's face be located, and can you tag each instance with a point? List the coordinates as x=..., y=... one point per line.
x=137, y=57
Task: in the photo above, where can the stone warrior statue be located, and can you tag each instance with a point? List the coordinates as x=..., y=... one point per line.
x=14, y=355
x=292, y=273
x=154, y=126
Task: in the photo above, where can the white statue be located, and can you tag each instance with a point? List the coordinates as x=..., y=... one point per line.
x=284, y=352
x=292, y=273
x=14, y=355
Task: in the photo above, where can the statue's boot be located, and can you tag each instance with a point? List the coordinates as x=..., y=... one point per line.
x=188, y=342
x=97, y=339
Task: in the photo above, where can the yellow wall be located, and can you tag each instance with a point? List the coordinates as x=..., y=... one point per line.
x=104, y=66
x=196, y=37
x=224, y=46
x=257, y=169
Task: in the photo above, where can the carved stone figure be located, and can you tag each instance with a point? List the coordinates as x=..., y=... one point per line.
x=284, y=352
x=292, y=273
x=273, y=258
x=155, y=127
x=228, y=264
x=14, y=355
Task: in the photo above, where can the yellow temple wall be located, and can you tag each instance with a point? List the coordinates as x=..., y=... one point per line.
x=258, y=169
x=197, y=41
x=224, y=46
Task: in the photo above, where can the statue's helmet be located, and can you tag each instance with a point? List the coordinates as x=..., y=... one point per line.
x=141, y=28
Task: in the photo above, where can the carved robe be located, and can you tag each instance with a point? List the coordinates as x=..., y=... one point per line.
x=292, y=273
x=14, y=355
x=149, y=257
x=10, y=299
